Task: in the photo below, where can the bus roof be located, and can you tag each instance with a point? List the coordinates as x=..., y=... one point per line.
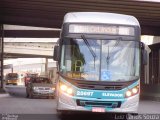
x=100, y=17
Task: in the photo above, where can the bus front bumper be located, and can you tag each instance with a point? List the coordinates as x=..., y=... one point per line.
x=66, y=103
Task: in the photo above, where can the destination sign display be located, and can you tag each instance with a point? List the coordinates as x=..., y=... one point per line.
x=101, y=29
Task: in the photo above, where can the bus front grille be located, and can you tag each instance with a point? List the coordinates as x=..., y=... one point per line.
x=90, y=103
x=100, y=87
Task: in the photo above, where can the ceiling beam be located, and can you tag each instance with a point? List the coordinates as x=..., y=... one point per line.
x=15, y=55
x=32, y=33
x=145, y=30
x=150, y=30
x=28, y=21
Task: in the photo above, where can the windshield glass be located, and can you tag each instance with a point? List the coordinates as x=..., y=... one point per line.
x=31, y=75
x=41, y=80
x=12, y=76
x=100, y=60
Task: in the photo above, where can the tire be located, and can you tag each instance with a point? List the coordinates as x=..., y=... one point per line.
x=30, y=95
x=66, y=115
x=27, y=95
x=61, y=114
x=50, y=97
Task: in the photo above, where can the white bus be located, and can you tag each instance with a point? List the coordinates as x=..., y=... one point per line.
x=99, y=63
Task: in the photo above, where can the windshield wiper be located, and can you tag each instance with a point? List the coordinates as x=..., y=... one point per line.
x=89, y=47
x=108, y=55
x=107, y=58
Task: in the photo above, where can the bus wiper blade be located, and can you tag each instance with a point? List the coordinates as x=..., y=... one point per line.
x=107, y=58
x=108, y=55
x=89, y=47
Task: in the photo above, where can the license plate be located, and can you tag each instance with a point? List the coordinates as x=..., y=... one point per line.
x=44, y=92
x=96, y=109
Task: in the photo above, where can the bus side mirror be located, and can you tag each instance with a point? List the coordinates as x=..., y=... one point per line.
x=55, y=53
x=144, y=54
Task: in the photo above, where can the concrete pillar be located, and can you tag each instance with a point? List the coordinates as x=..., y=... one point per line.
x=156, y=39
x=159, y=66
x=146, y=67
x=46, y=67
x=1, y=52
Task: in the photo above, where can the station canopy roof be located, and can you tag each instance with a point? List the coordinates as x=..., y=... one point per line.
x=50, y=13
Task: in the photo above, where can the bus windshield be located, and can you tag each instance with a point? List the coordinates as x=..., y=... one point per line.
x=12, y=76
x=100, y=60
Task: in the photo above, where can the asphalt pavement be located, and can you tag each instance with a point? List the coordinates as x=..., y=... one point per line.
x=16, y=105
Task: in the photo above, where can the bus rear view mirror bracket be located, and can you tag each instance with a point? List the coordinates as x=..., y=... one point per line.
x=144, y=52
x=56, y=53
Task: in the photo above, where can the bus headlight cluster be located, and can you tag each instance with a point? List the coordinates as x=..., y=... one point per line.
x=128, y=93
x=132, y=91
x=35, y=88
x=53, y=89
x=66, y=89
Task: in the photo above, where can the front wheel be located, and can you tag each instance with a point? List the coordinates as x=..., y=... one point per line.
x=50, y=97
x=30, y=95
x=27, y=95
x=61, y=114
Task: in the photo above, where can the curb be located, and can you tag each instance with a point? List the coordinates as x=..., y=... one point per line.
x=150, y=97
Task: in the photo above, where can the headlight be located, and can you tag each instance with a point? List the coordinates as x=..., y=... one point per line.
x=63, y=87
x=35, y=88
x=66, y=89
x=53, y=89
x=128, y=93
x=132, y=91
x=69, y=91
